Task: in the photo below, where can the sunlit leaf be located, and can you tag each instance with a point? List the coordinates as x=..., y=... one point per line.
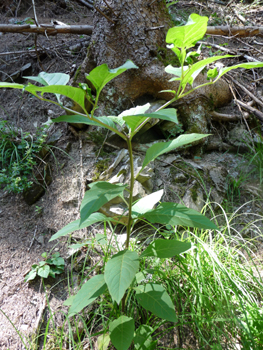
x=101, y=75
x=120, y=271
x=186, y=36
x=160, y=148
x=146, y=203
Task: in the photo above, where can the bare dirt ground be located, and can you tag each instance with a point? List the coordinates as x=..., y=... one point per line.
x=20, y=223
x=24, y=231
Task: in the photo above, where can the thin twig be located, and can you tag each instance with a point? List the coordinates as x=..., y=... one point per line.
x=34, y=237
x=17, y=8
x=255, y=111
x=106, y=2
x=35, y=13
x=103, y=14
x=248, y=92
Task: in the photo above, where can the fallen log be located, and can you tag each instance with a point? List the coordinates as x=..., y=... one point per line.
x=235, y=31
x=46, y=29
x=52, y=29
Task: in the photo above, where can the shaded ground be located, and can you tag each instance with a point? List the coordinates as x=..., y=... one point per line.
x=24, y=230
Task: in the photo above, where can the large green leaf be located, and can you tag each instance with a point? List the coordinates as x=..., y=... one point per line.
x=248, y=65
x=136, y=116
x=177, y=214
x=186, y=36
x=122, y=332
x=146, y=203
x=93, y=288
x=154, y=298
x=162, y=248
x=143, y=339
x=76, y=118
x=51, y=78
x=196, y=68
x=75, y=94
x=76, y=225
x=101, y=75
x=100, y=193
x=120, y=271
x=163, y=147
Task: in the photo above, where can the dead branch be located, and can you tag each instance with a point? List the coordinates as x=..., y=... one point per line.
x=252, y=110
x=86, y=3
x=257, y=100
x=223, y=117
x=50, y=29
x=46, y=29
x=235, y=31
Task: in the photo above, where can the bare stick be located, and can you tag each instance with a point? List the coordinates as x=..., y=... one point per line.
x=34, y=237
x=248, y=92
x=253, y=110
x=85, y=3
x=46, y=29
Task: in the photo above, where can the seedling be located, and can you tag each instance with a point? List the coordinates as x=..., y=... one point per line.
x=122, y=276
x=47, y=267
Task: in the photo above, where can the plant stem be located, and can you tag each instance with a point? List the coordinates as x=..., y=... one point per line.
x=131, y=193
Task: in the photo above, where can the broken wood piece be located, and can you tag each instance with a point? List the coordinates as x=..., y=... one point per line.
x=88, y=4
x=252, y=110
x=257, y=100
x=223, y=117
x=235, y=31
x=46, y=29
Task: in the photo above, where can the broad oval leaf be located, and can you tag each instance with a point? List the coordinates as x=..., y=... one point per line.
x=43, y=271
x=163, y=248
x=122, y=332
x=76, y=118
x=50, y=78
x=76, y=225
x=197, y=68
x=75, y=94
x=163, y=147
x=186, y=36
x=146, y=203
x=178, y=214
x=100, y=193
x=101, y=75
x=154, y=298
x=247, y=65
x=120, y=271
x=93, y=288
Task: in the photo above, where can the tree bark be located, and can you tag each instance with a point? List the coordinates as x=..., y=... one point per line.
x=135, y=30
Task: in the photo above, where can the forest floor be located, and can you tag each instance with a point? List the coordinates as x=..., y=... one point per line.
x=25, y=229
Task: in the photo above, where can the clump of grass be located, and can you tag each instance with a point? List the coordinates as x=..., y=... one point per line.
x=217, y=288
x=18, y=156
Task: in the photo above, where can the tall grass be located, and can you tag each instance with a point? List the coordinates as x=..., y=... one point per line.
x=217, y=287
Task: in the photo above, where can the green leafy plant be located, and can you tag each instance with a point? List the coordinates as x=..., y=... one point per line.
x=47, y=267
x=124, y=275
x=18, y=156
